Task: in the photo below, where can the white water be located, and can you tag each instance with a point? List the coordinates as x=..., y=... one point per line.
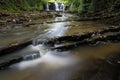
x=57, y=30
x=51, y=59
x=62, y=7
x=51, y=66
x=47, y=7
x=57, y=6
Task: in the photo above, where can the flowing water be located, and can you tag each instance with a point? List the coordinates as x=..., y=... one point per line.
x=40, y=63
x=47, y=7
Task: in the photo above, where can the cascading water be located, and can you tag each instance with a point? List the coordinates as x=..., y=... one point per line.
x=47, y=7
x=62, y=7
x=34, y=42
x=55, y=65
x=41, y=67
x=31, y=56
x=57, y=6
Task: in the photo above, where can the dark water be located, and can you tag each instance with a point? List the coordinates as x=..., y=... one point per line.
x=54, y=65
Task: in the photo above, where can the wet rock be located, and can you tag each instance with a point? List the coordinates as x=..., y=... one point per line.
x=14, y=20
x=88, y=36
x=3, y=14
x=73, y=38
x=71, y=46
x=14, y=48
x=89, y=42
x=113, y=29
x=6, y=64
x=10, y=62
x=58, y=15
x=114, y=59
x=19, y=18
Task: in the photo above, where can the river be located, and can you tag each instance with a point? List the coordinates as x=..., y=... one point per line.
x=80, y=63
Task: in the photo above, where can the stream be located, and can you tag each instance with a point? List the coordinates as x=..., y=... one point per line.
x=41, y=63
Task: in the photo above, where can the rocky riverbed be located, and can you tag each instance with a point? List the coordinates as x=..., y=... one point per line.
x=24, y=17
x=60, y=49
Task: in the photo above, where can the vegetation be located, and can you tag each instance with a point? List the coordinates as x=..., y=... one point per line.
x=80, y=6
x=107, y=10
x=21, y=5
x=104, y=8
x=91, y=6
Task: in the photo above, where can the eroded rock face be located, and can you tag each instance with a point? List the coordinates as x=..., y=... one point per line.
x=12, y=49
x=6, y=64
x=24, y=17
x=87, y=39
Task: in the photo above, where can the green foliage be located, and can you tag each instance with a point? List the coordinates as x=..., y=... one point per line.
x=81, y=6
x=77, y=5
x=91, y=6
x=21, y=5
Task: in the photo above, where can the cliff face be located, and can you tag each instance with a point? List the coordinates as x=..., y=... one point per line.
x=18, y=5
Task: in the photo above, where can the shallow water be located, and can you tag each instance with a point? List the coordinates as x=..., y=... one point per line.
x=54, y=65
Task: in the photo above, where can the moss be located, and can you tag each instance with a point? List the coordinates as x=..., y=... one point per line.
x=21, y=5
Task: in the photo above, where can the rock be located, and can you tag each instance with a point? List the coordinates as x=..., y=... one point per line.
x=114, y=59
x=58, y=15
x=2, y=21
x=8, y=20
x=19, y=18
x=6, y=64
x=10, y=62
x=14, y=20
x=14, y=48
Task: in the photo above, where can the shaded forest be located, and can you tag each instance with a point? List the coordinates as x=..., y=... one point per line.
x=21, y=5
x=102, y=9
x=80, y=6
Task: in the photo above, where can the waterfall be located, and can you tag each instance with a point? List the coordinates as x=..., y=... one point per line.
x=57, y=6
x=47, y=7
x=62, y=7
